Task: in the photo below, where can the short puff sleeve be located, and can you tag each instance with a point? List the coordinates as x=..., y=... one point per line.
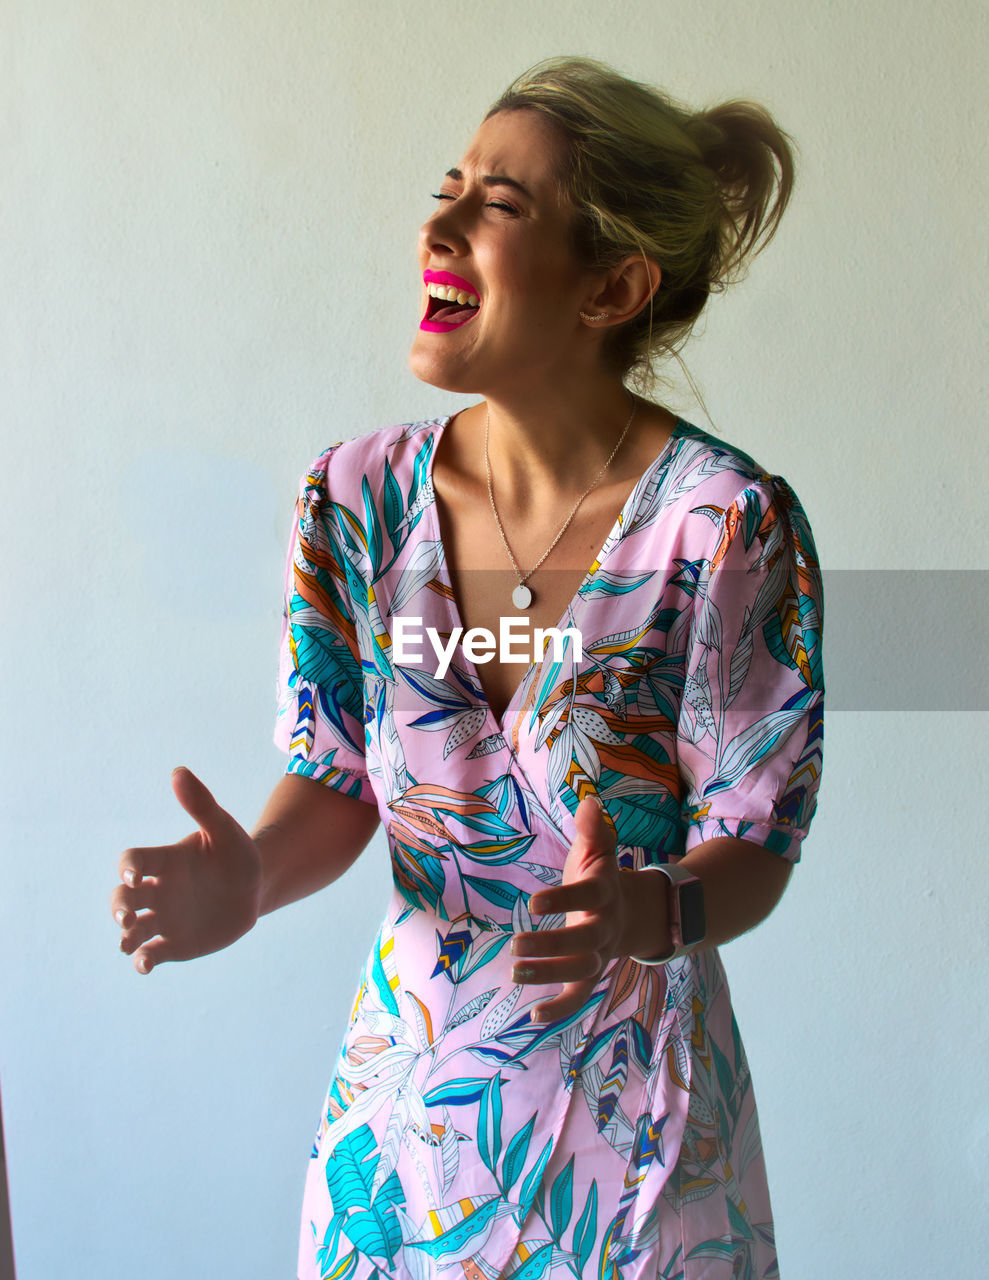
x=320, y=720
x=751, y=723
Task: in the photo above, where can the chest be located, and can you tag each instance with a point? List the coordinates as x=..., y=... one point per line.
x=483, y=578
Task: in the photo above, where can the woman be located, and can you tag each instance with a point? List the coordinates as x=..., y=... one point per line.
x=541, y=1075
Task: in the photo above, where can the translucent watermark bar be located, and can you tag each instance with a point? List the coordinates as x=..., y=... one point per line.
x=891, y=640
x=906, y=639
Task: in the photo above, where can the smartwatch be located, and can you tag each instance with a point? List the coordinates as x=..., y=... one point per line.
x=685, y=907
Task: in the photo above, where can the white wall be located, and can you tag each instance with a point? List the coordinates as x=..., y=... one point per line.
x=207, y=218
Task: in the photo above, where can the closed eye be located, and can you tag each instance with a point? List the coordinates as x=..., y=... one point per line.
x=491, y=204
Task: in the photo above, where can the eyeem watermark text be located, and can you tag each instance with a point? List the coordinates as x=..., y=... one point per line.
x=481, y=645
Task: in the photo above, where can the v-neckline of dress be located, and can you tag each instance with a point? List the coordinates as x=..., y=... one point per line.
x=455, y=618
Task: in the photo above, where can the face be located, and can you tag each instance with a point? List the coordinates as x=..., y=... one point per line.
x=498, y=253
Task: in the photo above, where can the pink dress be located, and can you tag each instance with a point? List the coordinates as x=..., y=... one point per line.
x=458, y=1138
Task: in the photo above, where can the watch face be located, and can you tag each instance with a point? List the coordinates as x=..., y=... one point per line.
x=693, y=924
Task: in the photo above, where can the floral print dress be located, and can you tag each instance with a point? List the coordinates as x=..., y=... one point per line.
x=458, y=1138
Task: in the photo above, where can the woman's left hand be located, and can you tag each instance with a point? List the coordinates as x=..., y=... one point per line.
x=594, y=896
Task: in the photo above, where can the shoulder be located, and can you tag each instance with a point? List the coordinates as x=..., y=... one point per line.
x=730, y=491
x=339, y=471
x=704, y=461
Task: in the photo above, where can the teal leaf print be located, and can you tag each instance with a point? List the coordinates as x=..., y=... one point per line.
x=491, y=1053
x=468, y=1233
x=457, y=1093
x=713, y=1249
x=354, y=538
x=529, y=1037
x=726, y=1079
x=586, y=1230
x=374, y=540
x=751, y=502
x=343, y=1270
x=749, y=747
x=496, y=891
x=533, y=1179
x=640, y=1043
x=611, y=1250
x=740, y=1227
x=382, y=987
x=561, y=1200
x=328, y=1249
x=516, y=1154
x=497, y=854
x=372, y=1226
x=490, y=823
x=687, y=576
x=415, y=874
x=393, y=505
x=535, y=1265
x=420, y=469
x=614, y=584
x=508, y=798
x=489, y=1123
x=328, y=666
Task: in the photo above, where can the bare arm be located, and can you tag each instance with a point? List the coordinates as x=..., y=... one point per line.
x=207, y=890
x=308, y=835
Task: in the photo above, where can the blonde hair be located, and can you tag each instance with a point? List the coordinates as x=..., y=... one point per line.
x=699, y=193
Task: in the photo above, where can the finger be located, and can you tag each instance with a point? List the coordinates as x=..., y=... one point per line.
x=593, y=821
x=572, y=940
x=152, y=954
x=124, y=901
x=196, y=799
x=567, y=969
x=139, y=931
x=135, y=864
x=570, y=1000
x=583, y=895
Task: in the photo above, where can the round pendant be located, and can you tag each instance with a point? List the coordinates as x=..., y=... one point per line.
x=521, y=596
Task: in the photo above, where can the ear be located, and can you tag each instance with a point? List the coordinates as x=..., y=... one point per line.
x=626, y=289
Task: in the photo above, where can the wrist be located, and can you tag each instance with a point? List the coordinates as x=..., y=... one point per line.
x=267, y=888
x=647, y=924
x=686, y=923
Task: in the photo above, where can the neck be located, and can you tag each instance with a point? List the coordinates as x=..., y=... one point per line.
x=555, y=441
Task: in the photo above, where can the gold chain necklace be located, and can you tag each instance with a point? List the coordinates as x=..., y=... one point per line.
x=522, y=596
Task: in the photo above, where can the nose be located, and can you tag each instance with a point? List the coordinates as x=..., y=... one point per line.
x=443, y=233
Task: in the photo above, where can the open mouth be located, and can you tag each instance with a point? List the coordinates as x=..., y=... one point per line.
x=451, y=301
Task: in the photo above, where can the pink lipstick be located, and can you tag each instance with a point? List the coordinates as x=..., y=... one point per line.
x=448, y=278
x=444, y=314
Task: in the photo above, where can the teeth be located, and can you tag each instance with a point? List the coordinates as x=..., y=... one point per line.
x=448, y=293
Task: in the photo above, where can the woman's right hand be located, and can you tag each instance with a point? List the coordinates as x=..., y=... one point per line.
x=183, y=900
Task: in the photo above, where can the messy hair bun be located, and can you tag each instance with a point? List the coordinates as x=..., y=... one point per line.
x=699, y=193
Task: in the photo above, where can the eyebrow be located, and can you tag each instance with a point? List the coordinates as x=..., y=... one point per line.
x=493, y=180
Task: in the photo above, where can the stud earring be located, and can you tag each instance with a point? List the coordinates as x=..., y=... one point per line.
x=585, y=316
